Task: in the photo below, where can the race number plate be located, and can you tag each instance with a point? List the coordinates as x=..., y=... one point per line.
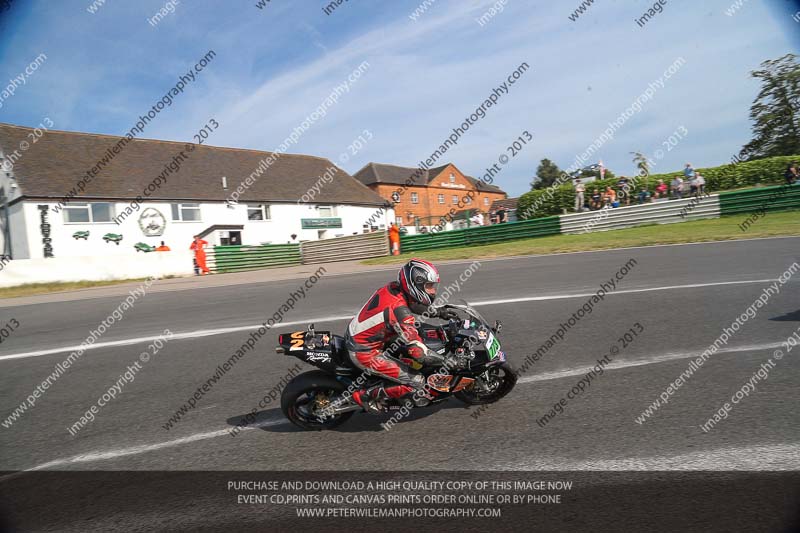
x=492, y=347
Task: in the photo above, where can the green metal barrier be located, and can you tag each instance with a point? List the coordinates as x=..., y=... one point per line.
x=481, y=235
x=767, y=198
x=240, y=258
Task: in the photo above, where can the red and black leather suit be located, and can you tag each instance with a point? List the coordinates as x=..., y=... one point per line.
x=384, y=320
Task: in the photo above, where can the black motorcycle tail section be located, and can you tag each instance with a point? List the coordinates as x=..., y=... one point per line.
x=320, y=349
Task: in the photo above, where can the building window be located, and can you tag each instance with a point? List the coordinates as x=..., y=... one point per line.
x=455, y=198
x=326, y=211
x=230, y=238
x=76, y=213
x=258, y=212
x=441, y=198
x=452, y=178
x=186, y=212
x=398, y=221
x=486, y=201
x=414, y=198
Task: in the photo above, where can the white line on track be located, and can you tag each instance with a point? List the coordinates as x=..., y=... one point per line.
x=777, y=457
x=223, y=331
x=136, y=450
x=616, y=365
x=626, y=291
x=176, y=336
x=628, y=363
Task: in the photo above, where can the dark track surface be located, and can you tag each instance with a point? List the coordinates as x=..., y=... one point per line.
x=596, y=431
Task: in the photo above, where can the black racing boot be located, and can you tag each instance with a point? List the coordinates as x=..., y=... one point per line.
x=373, y=400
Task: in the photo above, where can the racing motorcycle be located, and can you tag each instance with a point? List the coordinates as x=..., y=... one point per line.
x=474, y=371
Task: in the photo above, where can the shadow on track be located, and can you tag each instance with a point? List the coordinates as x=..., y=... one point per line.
x=794, y=316
x=361, y=422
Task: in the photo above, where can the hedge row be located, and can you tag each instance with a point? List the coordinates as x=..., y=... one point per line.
x=731, y=176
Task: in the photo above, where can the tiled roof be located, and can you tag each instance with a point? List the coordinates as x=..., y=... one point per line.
x=396, y=175
x=508, y=203
x=59, y=159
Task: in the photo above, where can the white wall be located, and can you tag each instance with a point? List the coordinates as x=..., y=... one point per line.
x=285, y=221
x=353, y=220
x=94, y=268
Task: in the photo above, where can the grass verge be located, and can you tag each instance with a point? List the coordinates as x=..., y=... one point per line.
x=32, y=289
x=775, y=224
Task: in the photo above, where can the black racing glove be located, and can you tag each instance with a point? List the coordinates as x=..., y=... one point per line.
x=445, y=313
x=432, y=358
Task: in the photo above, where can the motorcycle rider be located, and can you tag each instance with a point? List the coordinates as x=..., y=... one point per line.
x=385, y=319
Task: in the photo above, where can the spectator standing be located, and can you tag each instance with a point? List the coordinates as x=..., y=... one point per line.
x=677, y=187
x=501, y=215
x=688, y=172
x=163, y=248
x=580, y=188
x=792, y=175
x=394, y=238
x=198, y=245
x=644, y=196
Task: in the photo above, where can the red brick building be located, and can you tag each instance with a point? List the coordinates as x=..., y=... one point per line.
x=430, y=194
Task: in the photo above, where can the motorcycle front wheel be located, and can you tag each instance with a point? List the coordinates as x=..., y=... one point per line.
x=306, y=395
x=502, y=380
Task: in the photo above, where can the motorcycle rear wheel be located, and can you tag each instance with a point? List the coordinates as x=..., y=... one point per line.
x=504, y=383
x=306, y=389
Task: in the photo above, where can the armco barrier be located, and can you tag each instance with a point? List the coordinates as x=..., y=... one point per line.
x=663, y=212
x=363, y=246
x=240, y=258
x=766, y=198
x=481, y=235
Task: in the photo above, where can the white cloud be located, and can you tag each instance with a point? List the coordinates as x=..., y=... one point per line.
x=274, y=66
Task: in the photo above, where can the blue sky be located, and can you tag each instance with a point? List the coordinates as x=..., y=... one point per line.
x=274, y=66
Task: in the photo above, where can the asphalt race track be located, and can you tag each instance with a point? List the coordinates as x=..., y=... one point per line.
x=682, y=297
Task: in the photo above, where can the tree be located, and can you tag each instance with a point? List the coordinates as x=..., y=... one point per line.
x=775, y=112
x=642, y=164
x=546, y=174
x=594, y=172
x=642, y=167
